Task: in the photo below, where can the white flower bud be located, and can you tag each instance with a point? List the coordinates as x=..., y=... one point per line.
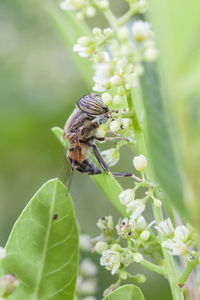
x=137, y=257
x=2, y=253
x=151, y=54
x=126, y=259
x=116, y=80
x=122, y=33
x=96, y=31
x=101, y=132
x=145, y=235
x=72, y=5
x=101, y=246
x=114, y=125
x=125, y=123
x=121, y=91
x=111, y=156
x=83, y=41
x=127, y=196
x=124, y=229
x=103, y=4
x=90, y=11
x=142, y=6
x=141, y=30
x=84, y=242
x=107, y=99
x=87, y=267
x=138, y=225
x=107, y=31
x=116, y=247
x=140, y=162
x=123, y=275
x=118, y=100
x=157, y=202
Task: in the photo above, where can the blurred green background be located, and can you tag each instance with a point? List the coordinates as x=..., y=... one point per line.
x=39, y=85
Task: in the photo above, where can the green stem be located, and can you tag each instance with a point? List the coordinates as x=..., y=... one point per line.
x=153, y=267
x=184, y=276
x=112, y=20
x=127, y=16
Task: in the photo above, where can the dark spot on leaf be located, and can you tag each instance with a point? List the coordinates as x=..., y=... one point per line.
x=55, y=216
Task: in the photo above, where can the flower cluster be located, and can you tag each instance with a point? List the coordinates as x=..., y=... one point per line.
x=178, y=240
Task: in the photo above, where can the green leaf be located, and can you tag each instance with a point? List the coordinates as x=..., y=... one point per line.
x=126, y=292
x=42, y=250
x=160, y=147
x=107, y=183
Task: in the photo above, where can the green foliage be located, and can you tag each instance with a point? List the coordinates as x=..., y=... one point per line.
x=42, y=250
x=107, y=183
x=128, y=292
x=162, y=156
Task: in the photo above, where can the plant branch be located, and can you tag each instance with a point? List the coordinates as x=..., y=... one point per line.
x=190, y=266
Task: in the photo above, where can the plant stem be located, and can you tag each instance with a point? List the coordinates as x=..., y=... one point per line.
x=127, y=16
x=184, y=276
x=153, y=267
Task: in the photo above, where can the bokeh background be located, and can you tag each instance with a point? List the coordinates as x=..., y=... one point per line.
x=39, y=85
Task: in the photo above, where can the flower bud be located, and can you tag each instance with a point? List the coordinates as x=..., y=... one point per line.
x=166, y=228
x=107, y=31
x=107, y=99
x=142, y=6
x=157, y=202
x=90, y=11
x=87, y=268
x=101, y=132
x=101, y=246
x=140, y=162
x=84, y=242
x=103, y=4
x=151, y=54
x=116, y=247
x=117, y=100
x=121, y=91
x=96, y=31
x=145, y=235
x=2, y=253
x=139, y=278
x=124, y=229
x=127, y=196
x=116, y=80
x=122, y=33
x=141, y=30
x=138, y=257
x=8, y=283
x=126, y=259
x=123, y=275
x=114, y=125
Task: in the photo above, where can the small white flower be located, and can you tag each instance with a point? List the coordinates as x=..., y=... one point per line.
x=126, y=259
x=107, y=99
x=84, y=47
x=127, y=196
x=124, y=228
x=116, y=80
x=141, y=30
x=101, y=246
x=111, y=260
x=138, y=225
x=142, y=6
x=136, y=208
x=106, y=224
x=86, y=286
x=2, y=253
x=175, y=247
x=90, y=11
x=181, y=234
x=96, y=31
x=114, y=125
x=122, y=33
x=72, y=4
x=166, y=228
x=111, y=156
x=84, y=242
x=103, y=72
x=150, y=54
x=131, y=80
x=87, y=267
x=140, y=162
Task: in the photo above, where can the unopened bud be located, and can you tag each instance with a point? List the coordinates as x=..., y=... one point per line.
x=106, y=224
x=101, y=132
x=114, y=125
x=107, y=99
x=116, y=247
x=101, y=246
x=90, y=11
x=123, y=275
x=140, y=162
x=139, y=278
x=117, y=100
x=138, y=257
x=145, y=235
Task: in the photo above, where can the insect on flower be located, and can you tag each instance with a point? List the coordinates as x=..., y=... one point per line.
x=81, y=132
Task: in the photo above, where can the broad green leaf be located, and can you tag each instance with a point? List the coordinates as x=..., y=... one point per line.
x=126, y=292
x=160, y=147
x=70, y=30
x=107, y=183
x=42, y=250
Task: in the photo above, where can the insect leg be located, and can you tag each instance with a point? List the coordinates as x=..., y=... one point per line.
x=105, y=168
